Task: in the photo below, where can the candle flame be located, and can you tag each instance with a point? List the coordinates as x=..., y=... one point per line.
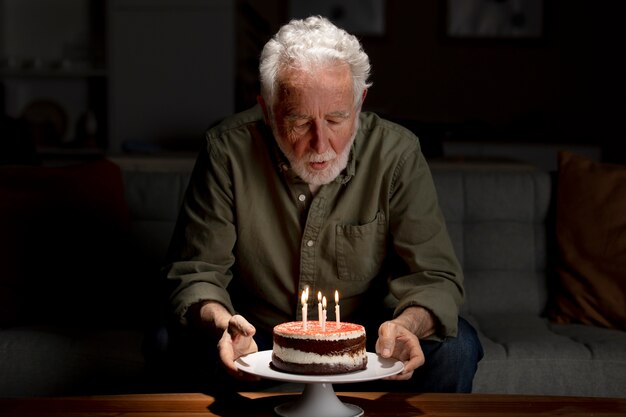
x=324, y=302
x=304, y=297
x=319, y=296
x=336, y=297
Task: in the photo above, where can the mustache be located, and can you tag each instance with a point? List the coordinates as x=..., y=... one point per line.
x=326, y=156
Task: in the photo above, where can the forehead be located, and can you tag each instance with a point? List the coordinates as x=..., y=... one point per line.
x=330, y=83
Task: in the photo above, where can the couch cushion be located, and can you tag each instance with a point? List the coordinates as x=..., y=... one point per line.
x=530, y=355
x=46, y=360
x=497, y=218
x=62, y=246
x=154, y=199
x=591, y=235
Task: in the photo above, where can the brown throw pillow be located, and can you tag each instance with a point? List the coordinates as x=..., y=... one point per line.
x=591, y=238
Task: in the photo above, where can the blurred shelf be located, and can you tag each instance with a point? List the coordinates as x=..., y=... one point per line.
x=54, y=156
x=53, y=73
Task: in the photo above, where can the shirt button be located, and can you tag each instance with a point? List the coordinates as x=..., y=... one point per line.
x=309, y=243
x=301, y=197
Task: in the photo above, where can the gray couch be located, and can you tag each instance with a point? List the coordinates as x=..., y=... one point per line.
x=499, y=217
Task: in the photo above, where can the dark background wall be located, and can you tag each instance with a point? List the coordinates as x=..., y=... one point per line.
x=564, y=87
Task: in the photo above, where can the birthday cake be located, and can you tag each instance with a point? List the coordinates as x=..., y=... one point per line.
x=336, y=349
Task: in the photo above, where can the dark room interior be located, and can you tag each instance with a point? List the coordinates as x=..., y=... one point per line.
x=105, y=79
x=104, y=106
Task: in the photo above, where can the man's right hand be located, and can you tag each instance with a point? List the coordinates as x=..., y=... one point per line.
x=236, y=342
x=234, y=333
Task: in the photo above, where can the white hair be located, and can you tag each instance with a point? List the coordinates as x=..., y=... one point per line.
x=305, y=44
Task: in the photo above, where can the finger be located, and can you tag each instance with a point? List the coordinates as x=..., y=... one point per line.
x=241, y=333
x=402, y=376
x=226, y=352
x=228, y=357
x=412, y=364
x=232, y=369
x=414, y=359
x=239, y=325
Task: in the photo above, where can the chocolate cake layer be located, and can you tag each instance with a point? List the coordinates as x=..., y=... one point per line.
x=315, y=368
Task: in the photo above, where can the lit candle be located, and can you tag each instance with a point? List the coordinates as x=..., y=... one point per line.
x=337, y=318
x=304, y=299
x=319, y=307
x=324, y=314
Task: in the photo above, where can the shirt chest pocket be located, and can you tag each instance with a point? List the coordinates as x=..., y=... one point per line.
x=360, y=249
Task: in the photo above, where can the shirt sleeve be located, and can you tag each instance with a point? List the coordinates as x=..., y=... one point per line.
x=200, y=255
x=427, y=271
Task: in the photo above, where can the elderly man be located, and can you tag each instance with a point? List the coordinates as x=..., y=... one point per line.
x=306, y=190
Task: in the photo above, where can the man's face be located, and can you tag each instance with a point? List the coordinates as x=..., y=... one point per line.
x=314, y=121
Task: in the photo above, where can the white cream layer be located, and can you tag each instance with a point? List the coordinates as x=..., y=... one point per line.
x=297, y=356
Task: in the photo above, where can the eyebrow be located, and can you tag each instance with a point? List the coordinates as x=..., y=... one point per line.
x=298, y=116
x=342, y=114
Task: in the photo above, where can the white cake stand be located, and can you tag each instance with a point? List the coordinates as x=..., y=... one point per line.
x=318, y=397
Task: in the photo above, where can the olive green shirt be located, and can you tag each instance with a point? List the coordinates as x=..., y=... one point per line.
x=251, y=236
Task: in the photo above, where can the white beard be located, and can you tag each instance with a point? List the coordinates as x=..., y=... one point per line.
x=317, y=177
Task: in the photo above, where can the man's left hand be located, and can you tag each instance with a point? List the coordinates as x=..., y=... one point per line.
x=396, y=341
x=398, y=338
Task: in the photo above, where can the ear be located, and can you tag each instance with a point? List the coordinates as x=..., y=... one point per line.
x=363, y=99
x=266, y=113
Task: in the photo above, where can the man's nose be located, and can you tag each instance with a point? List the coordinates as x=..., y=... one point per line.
x=320, y=140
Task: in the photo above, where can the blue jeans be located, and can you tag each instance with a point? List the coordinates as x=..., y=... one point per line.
x=449, y=366
x=185, y=362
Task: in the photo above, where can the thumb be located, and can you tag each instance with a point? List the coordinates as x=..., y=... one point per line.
x=386, y=339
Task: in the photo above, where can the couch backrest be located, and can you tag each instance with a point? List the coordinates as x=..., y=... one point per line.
x=154, y=190
x=498, y=217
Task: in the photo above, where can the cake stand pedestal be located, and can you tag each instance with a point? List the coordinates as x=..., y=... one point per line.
x=318, y=397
